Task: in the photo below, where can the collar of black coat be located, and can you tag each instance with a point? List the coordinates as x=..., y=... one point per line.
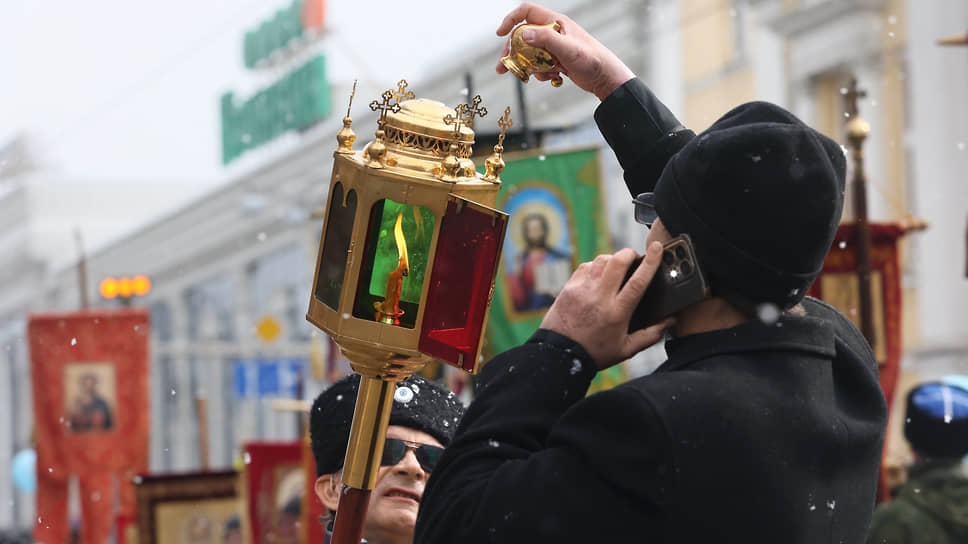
x=804, y=334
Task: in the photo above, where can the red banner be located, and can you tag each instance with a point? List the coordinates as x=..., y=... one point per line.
x=90, y=387
x=314, y=511
x=274, y=491
x=837, y=285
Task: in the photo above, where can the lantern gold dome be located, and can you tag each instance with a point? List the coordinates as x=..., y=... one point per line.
x=417, y=139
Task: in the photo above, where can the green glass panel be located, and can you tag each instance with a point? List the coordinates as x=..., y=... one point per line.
x=381, y=258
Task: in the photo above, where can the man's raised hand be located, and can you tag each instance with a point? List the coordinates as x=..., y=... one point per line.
x=594, y=308
x=581, y=57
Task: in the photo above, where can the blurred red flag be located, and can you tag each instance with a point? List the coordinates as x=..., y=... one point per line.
x=90, y=387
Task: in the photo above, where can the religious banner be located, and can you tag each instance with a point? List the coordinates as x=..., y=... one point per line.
x=188, y=508
x=90, y=395
x=555, y=205
x=837, y=285
x=274, y=491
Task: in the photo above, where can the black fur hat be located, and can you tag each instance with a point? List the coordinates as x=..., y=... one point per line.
x=418, y=404
x=760, y=193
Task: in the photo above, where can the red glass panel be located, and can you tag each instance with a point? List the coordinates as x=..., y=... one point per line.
x=461, y=282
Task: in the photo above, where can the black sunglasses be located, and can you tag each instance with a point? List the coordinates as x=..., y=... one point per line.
x=395, y=449
x=645, y=213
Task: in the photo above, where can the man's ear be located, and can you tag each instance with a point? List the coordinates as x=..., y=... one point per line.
x=327, y=489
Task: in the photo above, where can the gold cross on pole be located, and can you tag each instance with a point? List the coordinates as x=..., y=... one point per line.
x=851, y=95
x=505, y=122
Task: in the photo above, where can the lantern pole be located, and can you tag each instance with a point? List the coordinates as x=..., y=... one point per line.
x=374, y=401
x=857, y=131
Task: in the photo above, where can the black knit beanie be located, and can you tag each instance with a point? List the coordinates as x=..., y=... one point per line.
x=760, y=193
x=417, y=403
x=936, y=420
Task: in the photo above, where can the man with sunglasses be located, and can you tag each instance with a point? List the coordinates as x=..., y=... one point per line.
x=422, y=422
x=766, y=422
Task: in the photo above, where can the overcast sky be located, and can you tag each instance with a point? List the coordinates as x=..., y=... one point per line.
x=128, y=90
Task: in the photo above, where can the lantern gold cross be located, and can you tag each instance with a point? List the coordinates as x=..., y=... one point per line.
x=402, y=93
x=465, y=114
x=385, y=106
x=472, y=110
x=505, y=122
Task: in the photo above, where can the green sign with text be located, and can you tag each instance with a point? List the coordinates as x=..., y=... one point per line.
x=298, y=100
x=295, y=102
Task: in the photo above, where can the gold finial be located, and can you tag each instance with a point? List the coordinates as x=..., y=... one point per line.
x=346, y=136
x=494, y=164
x=857, y=128
x=450, y=168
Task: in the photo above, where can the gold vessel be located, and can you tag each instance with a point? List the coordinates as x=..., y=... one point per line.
x=523, y=59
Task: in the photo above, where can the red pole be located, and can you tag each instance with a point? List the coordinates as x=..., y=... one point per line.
x=348, y=527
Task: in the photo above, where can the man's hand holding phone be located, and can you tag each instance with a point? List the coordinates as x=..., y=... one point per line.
x=594, y=307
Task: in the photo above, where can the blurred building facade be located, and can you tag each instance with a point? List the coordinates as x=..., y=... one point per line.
x=41, y=215
x=243, y=255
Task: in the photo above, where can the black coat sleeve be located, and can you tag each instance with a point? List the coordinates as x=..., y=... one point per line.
x=533, y=458
x=642, y=132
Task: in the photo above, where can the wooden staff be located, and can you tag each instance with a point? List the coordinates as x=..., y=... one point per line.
x=857, y=131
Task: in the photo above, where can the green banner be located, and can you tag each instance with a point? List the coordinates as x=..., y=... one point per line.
x=557, y=221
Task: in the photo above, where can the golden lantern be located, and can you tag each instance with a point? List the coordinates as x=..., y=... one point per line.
x=406, y=265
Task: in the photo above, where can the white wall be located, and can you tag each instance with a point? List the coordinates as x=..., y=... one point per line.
x=938, y=79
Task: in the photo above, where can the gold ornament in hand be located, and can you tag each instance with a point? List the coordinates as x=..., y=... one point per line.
x=523, y=59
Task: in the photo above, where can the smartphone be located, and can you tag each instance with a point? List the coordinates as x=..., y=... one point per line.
x=678, y=283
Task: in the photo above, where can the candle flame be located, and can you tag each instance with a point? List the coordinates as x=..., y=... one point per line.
x=404, y=265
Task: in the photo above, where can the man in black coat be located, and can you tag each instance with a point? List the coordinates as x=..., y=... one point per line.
x=766, y=422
